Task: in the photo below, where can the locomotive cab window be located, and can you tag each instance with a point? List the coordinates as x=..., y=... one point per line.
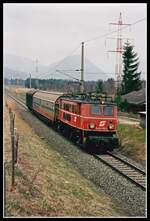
x=96, y=109
x=101, y=110
x=108, y=110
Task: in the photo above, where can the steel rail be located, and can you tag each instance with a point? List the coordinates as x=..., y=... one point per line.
x=129, y=174
x=17, y=100
x=126, y=162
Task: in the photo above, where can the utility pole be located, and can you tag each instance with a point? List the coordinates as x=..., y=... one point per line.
x=118, y=51
x=30, y=80
x=82, y=69
x=36, y=70
x=36, y=66
x=11, y=79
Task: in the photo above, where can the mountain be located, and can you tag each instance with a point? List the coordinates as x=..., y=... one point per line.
x=70, y=64
x=21, y=67
x=11, y=73
x=21, y=64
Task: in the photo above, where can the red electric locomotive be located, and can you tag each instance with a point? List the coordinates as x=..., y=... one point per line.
x=87, y=119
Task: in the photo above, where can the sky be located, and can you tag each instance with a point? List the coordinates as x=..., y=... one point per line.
x=50, y=32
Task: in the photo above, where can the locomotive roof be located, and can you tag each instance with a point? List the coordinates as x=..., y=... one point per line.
x=87, y=101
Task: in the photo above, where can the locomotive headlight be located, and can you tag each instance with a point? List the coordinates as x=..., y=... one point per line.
x=92, y=126
x=111, y=126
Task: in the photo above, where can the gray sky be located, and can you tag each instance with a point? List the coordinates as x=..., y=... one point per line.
x=51, y=32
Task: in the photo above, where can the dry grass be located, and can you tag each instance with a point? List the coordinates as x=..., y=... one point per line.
x=46, y=184
x=21, y=92
x=17, y=89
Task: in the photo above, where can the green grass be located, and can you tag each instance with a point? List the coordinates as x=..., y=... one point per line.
x=132, y=140
x=132, y=115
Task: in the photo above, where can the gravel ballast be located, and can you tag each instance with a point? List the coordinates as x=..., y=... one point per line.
x=128, y=196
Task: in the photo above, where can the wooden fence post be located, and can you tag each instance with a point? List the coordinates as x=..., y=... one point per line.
x=13, y=144
x=16, y=146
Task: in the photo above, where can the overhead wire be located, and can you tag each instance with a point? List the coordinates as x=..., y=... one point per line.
x=101, y=36
x=67, y=75
x=47, y=73
x=92, y=39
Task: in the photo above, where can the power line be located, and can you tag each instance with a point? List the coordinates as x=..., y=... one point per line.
x=101, y=36
x=67, y=75
x=62, y=61
x=87, y=72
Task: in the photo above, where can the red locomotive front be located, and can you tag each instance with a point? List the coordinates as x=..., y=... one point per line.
x=98, y=117
x=89, y=120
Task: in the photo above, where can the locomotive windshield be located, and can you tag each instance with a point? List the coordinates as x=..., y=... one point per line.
x=101, y=110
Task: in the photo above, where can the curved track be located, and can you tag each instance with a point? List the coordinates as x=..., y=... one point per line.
x=131, y=172
x=18, y=101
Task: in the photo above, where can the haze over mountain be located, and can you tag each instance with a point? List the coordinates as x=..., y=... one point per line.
x=20, y=67
x=21, y=64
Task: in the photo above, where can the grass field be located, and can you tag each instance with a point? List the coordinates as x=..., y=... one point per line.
x=46, y=184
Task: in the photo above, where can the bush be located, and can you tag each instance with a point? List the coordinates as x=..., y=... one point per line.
x=122, y=105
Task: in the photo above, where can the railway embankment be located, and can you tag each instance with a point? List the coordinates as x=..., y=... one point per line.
x=45, y=183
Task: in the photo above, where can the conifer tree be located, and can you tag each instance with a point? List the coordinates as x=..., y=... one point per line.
x=131, y=77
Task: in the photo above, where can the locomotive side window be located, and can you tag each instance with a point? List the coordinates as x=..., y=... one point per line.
x=67, y=107
x=108, y=111
x=71, y=108
x=67, y=116
x=75, y=109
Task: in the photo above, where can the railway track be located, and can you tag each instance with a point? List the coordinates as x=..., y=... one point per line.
x=126, y=169
x=17, y=100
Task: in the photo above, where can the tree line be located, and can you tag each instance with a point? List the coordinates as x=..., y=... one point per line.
x=99, y=86
x=130, y=79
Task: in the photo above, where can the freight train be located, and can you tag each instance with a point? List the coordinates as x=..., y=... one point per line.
x=87, y=119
